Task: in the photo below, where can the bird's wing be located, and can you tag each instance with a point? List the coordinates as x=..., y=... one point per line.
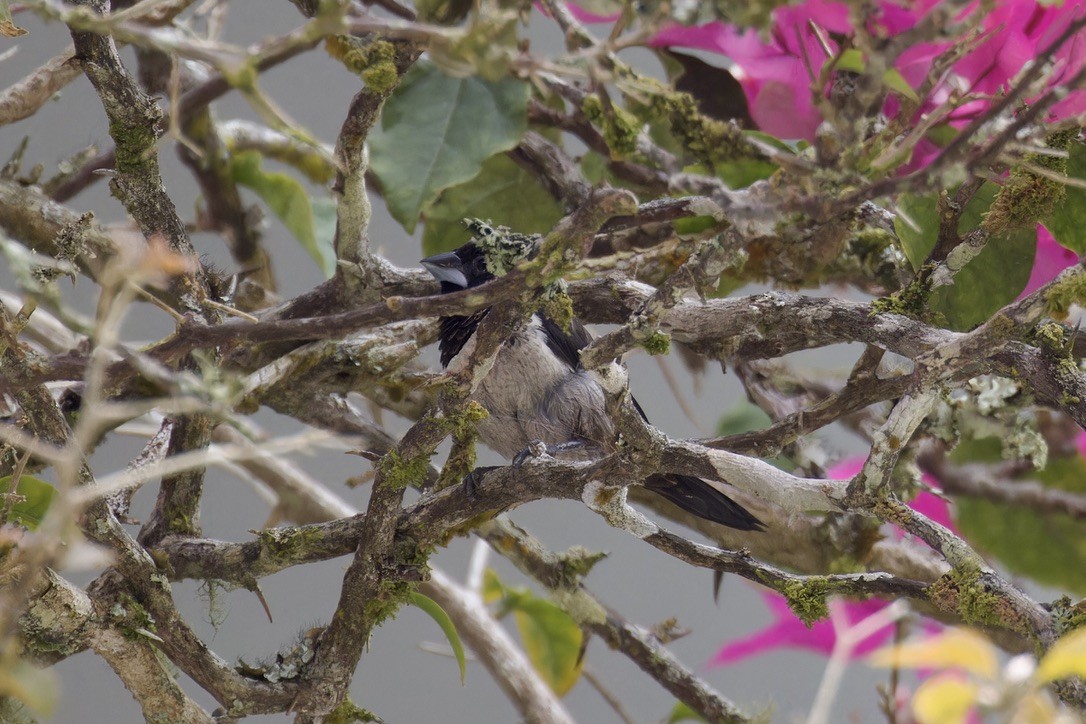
x=566, y=345
x=455, y=333
x=696, y=496
x=689, y=493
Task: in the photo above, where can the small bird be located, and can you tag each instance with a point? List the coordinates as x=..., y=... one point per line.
x=537, y=391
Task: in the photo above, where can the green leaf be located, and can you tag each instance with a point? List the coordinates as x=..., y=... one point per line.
x=595, y=170
x=992, y=279
x=37, y=494
x=493, y=588
x=853, y=60
x=747, y=417
x=1046, y=546
x=436, y=612
x=917, y=227
x=502, y=192
x=743, y=417
x=1067, y=222
x=1066, y=658
x=437, y=131
x=740, y=174
x=694, y=224
x=324, y=227
x=287, y=198
x=942, y=134
x=552, y=641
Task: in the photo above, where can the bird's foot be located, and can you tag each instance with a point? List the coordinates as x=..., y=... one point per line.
x=538, y=448
x=535, y=449
x=473, y=479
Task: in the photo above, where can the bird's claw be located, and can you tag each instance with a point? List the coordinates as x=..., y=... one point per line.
x=535, y=449
x=473, y=479
x=471, y=484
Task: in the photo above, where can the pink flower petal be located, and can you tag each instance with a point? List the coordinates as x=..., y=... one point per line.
x=926, y=503
x=787, y=631
x=1051, y=259
x=776, y=73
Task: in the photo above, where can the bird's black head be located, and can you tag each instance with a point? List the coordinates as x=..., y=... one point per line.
x=492, y=251
x=461, y=268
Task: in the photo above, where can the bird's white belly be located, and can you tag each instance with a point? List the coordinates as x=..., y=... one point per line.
x=513, y=391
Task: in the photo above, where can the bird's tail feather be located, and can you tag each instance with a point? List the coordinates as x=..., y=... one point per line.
x=703, y=500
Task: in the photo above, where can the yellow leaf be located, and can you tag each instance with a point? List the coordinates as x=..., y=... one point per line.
x=944, y=699
x=1035, y=708
x=954, y=648
x=34, y=687
x=1067, y=657
x=493, y=590
x=552, y=641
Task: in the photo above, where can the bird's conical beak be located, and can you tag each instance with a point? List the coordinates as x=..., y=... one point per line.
x=446, y=268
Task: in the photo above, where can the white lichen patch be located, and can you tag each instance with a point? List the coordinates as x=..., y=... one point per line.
x=611, y=504
x=502, y=247
x=992, y=392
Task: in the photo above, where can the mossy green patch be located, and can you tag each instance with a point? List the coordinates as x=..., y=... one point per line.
x=1069, y=616
x=1028, y=197
x=289, y=542
x=467, y=526
x=400, y=474
x=620, y=128
x=657, y=343
x=577, y=562
x=1064, y=293
x=1051, y=336
x=964, y=591
x=132, y=145
x=374, y=61
x=807, y=599
x=461, y=460
x=557, y=305
x=348, y=713
x=711, y=141
x=133, y=620
x=912, y=301
x=409, y=564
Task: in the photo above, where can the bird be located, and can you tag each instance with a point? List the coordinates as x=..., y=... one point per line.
x=537, y=391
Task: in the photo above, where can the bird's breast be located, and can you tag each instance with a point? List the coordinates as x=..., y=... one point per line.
x=514, y=389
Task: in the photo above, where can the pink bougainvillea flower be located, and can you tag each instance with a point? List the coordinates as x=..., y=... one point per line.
x=775, y=75
x=1051, y=259
x=776, y=72
x=787, y=631
x=926, y=503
